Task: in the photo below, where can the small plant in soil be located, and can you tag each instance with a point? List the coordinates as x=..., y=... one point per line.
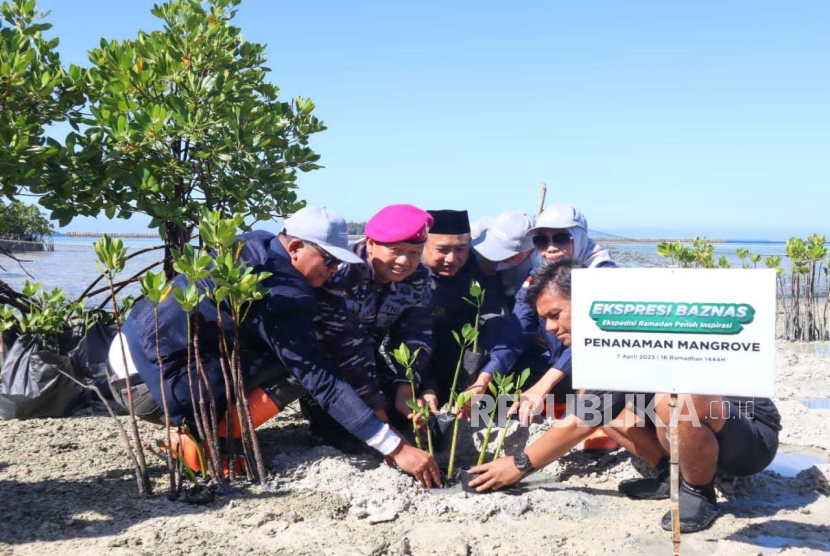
x=477, y=301
x=156, y=291
x=499, y=386
x=195, y=266
x=520, y=381
x=406, y=359
x=462, y=399
x=237, y=287
x=111, y=259
x=467, y=338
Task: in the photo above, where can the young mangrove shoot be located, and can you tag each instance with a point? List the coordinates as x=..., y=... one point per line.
x=462, y=399
x=111, y=260
x=520, y=381
x=406, y=360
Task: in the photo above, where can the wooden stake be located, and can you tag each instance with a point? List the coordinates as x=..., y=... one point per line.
x=675, y=476
x=542, y=192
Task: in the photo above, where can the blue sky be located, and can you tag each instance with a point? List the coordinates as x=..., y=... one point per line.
x=705, y=117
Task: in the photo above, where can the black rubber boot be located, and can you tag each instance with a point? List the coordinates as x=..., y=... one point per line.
x=698, y=507
x=649, y=488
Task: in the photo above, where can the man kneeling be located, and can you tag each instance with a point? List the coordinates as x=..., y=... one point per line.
x=281, y=358
x=723, y=435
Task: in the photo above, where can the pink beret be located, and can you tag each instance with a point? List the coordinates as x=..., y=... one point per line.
x=399, y=223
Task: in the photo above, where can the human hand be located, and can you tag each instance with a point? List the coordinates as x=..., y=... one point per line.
x=417, y=463
x=496, y=474
x=531, y=402
x=430, y=399
x=478, y=388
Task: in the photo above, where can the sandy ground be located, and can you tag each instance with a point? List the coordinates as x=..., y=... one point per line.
x=66, y=488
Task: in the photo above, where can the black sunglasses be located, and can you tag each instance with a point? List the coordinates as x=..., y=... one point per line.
x=559, y=240
x=329, y=258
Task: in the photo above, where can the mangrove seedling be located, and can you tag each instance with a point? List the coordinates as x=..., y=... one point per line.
x=462, y=399
x=424, y=413
x=499, y=386
x=405, y=359
x=195, y=266
x=477, y=301
x=111, y=259
x=156, y=290
x=520, y=381
x=468, y=337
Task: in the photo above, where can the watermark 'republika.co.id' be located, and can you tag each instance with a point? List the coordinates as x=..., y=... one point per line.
x=594, y=410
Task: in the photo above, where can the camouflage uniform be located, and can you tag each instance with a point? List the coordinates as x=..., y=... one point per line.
x=360, y=322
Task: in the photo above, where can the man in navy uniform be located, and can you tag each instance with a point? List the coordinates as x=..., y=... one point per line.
x=282, y=358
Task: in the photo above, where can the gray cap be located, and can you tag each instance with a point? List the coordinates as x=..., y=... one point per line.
x=505, y=236
x=561, y=216
x=324, y=228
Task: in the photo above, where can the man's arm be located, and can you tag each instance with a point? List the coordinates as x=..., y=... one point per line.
x=516, y=334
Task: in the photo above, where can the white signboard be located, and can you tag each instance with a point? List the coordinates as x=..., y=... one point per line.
x=688, y=331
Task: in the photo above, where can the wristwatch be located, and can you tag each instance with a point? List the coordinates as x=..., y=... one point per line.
x=523, y=463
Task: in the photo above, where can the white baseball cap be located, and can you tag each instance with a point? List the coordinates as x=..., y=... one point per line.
x=506, y=237
x=324, y=228
x=561, y=216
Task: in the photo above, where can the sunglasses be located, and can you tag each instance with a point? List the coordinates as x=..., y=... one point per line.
x=329, y=258
x=558, y=240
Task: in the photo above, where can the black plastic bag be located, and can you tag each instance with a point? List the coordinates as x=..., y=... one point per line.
x=470, y=367
x=31, y=385
x=90, y=356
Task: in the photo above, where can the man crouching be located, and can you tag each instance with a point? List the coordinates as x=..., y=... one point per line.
x=282, y=360
x=719, y=435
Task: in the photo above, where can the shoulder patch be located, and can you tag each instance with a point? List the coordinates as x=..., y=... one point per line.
x=527, y=282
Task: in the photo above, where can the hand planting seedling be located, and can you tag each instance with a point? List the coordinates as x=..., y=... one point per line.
x=406, y=360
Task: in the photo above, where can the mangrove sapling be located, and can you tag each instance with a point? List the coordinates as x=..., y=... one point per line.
x=423, y=412
x=242, y=287
x=499, y=386
x=461, y=400
x=468, y=337
x=723, y=262
x=406, y=360
x=156, y=291
x=755, y=260
x=239, y=286
x=111, y=259
x=188, y=300
x=520, y=381
x=195, y=266
x=477, y=301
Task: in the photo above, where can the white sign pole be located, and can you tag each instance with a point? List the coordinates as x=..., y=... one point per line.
x=674, y=460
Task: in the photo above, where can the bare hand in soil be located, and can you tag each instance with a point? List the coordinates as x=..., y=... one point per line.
x=417, y=463
x=496, y=475
x=477, y=389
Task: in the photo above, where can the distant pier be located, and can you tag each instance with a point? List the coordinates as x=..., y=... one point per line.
x=134, y=235
x=650, y=240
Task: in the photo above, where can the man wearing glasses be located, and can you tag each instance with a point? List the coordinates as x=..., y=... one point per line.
x=560, y=231
x=281, y=358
